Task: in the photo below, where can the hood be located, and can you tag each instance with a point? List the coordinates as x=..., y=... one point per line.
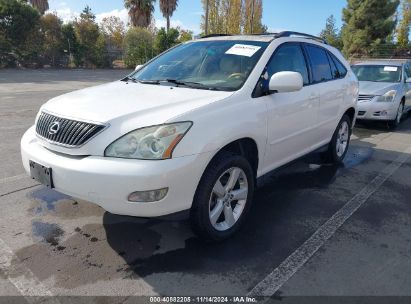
x=376, y=88
x=118, y=99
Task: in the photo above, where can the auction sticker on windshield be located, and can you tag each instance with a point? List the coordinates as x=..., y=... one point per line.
x=390, y=69
x=243, y=50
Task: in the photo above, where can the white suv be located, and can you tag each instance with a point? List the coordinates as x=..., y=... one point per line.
x=192, y=129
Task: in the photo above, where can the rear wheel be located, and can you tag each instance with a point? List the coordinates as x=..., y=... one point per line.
x=396, y=122
x=223, y=197
x=338, y=147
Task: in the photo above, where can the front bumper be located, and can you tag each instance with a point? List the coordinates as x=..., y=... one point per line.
x=372, y=110
x=107, y=182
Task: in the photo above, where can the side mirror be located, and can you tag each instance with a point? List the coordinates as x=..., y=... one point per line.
x=138, y=67
x=283, y=82
x=408, y=80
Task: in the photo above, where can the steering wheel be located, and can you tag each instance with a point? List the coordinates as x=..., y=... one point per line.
x=236, y=76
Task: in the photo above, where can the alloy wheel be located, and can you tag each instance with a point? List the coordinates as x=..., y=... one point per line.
x=400, y=111
x=342, y=139
x=228, y=199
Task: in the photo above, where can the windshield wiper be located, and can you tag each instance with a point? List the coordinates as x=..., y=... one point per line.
x=129, y=78
x=189, y=84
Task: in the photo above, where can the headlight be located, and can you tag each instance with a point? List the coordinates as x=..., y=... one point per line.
x=387, y=97
x=152, y=143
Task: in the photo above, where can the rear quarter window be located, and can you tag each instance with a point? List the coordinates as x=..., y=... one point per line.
x=342, y=71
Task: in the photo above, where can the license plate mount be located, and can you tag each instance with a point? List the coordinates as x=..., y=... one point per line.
x=42, y=174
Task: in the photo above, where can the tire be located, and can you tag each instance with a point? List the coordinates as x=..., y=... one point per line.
x=213, y=202
x=393, y=124
x=338, y=147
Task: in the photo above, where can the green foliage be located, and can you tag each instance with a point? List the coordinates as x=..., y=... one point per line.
x=70, y=43
x=233, y=17
x=51, y=27
x=166, y=40
x=114, y=30
x=404, y=26
x=19, y=32
x=89, y=38
x=40, y=5
x=185, y=36
x=331, y=33
x=140, y=12
x=138, y=46
x=367, y=24
x=167, y=8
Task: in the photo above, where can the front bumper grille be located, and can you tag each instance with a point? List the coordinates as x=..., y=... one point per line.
x=66, y=132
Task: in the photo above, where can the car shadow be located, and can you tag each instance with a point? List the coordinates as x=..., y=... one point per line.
x=289, y=205
x=282, y=203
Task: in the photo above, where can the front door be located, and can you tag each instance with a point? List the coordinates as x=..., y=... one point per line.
x=291, y=116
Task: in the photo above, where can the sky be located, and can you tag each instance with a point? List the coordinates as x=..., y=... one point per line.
x=297, y=15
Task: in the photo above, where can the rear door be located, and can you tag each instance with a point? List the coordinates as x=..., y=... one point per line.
x=407, y=71
x=331, y=87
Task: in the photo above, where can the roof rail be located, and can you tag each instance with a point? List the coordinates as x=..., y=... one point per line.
x=290, y=33
x=215, y=35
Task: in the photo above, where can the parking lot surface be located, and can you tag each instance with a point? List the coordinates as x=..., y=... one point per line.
x=315, y=229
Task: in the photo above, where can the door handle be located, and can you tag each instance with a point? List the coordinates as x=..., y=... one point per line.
x=314, y=96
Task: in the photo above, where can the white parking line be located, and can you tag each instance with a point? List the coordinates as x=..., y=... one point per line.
x=13, y=178
x=22, y=278
x=273, y=282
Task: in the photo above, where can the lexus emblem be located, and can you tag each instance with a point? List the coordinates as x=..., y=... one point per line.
x=54, y=128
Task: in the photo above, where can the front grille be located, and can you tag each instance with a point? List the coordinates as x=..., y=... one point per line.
x=365, y=97
x=66, y=132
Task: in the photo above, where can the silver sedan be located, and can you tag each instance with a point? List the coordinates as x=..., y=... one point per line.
x=385, y=90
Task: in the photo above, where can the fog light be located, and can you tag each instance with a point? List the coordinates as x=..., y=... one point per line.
x=148, y=196
x=384, y=113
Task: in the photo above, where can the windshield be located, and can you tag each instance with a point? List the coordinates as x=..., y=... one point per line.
x=377, y=73
x=212, y=65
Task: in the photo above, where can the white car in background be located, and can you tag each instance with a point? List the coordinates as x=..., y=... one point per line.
x=192, y=129
x=385, y=90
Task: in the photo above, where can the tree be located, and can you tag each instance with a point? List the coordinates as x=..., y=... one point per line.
x=52, y=36
x=166, y=39
x=70, y=43
x=138, y=46
x=88, y=36
x=215, y=21
x=19, y=32
x=41, y=5
x=403, y=30
x=114, y=30
x=167, y=8
x=331, y=34
x=252, y=17
x=185, y=35
x=367, y=24
x=231, y=10
x=140, y=12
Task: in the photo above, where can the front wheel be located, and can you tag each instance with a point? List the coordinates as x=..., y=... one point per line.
x=338, y=147
x=223, y=197
x=396, y=122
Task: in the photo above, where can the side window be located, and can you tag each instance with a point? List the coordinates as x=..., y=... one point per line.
x=334, y=70
x=408, y=71
x=320, y=66
x=340, y=67
x=289, y=57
